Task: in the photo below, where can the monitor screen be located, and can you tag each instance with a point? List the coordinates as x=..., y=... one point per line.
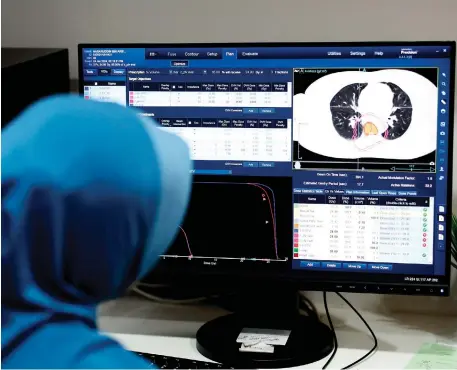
x=324, y=164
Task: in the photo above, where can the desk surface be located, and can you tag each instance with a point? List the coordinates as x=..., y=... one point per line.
x=145, y=326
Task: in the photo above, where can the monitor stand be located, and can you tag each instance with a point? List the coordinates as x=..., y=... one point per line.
x=275, y=309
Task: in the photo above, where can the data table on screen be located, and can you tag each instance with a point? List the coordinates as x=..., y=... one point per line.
x=237, y=139
x=363, y=229
x=255, y=95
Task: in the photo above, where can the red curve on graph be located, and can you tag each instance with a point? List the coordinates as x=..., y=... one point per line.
x=272, y=219
x=187, y=241
x=272, y=216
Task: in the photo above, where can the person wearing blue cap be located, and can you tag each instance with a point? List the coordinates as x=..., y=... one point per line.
x=92, y=194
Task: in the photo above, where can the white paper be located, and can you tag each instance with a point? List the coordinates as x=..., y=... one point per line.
x=440, y=237
x=441, y=209
x=266, y=336
x=259, y=347
x=440, y=227
x=441, y=218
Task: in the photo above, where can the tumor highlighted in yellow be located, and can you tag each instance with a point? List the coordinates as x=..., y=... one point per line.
x=370, y=129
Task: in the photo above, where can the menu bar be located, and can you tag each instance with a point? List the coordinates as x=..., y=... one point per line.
x=183, y=53
x=344, y=52
x=300, y=52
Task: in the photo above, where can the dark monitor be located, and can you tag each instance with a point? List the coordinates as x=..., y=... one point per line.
x=326, y=166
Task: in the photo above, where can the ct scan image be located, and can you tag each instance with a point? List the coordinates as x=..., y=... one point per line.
x=365, y=119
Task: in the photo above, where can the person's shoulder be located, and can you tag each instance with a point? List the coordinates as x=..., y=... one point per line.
x=104, y=352
x=98, y=350
x=71, y=345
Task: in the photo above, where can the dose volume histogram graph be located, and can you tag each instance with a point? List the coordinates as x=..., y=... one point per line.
x=231, y=220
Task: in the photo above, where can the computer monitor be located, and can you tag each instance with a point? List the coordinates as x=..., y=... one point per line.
x=326, y=166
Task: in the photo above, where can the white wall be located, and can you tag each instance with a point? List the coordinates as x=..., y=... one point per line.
x=65, y=23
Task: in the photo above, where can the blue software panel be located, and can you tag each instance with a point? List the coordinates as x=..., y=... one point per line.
x=369, y=179
x=376, y=200
x=124, y=57
x=366, y=231
x=233, y=83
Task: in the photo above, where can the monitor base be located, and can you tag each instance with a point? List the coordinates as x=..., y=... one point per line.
x=309, y=341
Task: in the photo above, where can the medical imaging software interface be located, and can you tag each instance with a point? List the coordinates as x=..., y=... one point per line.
x=313, y=159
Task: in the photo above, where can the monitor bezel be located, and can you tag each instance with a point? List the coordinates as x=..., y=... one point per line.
x=228, y=280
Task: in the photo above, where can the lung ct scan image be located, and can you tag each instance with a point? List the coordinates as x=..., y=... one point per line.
x=378, y=119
